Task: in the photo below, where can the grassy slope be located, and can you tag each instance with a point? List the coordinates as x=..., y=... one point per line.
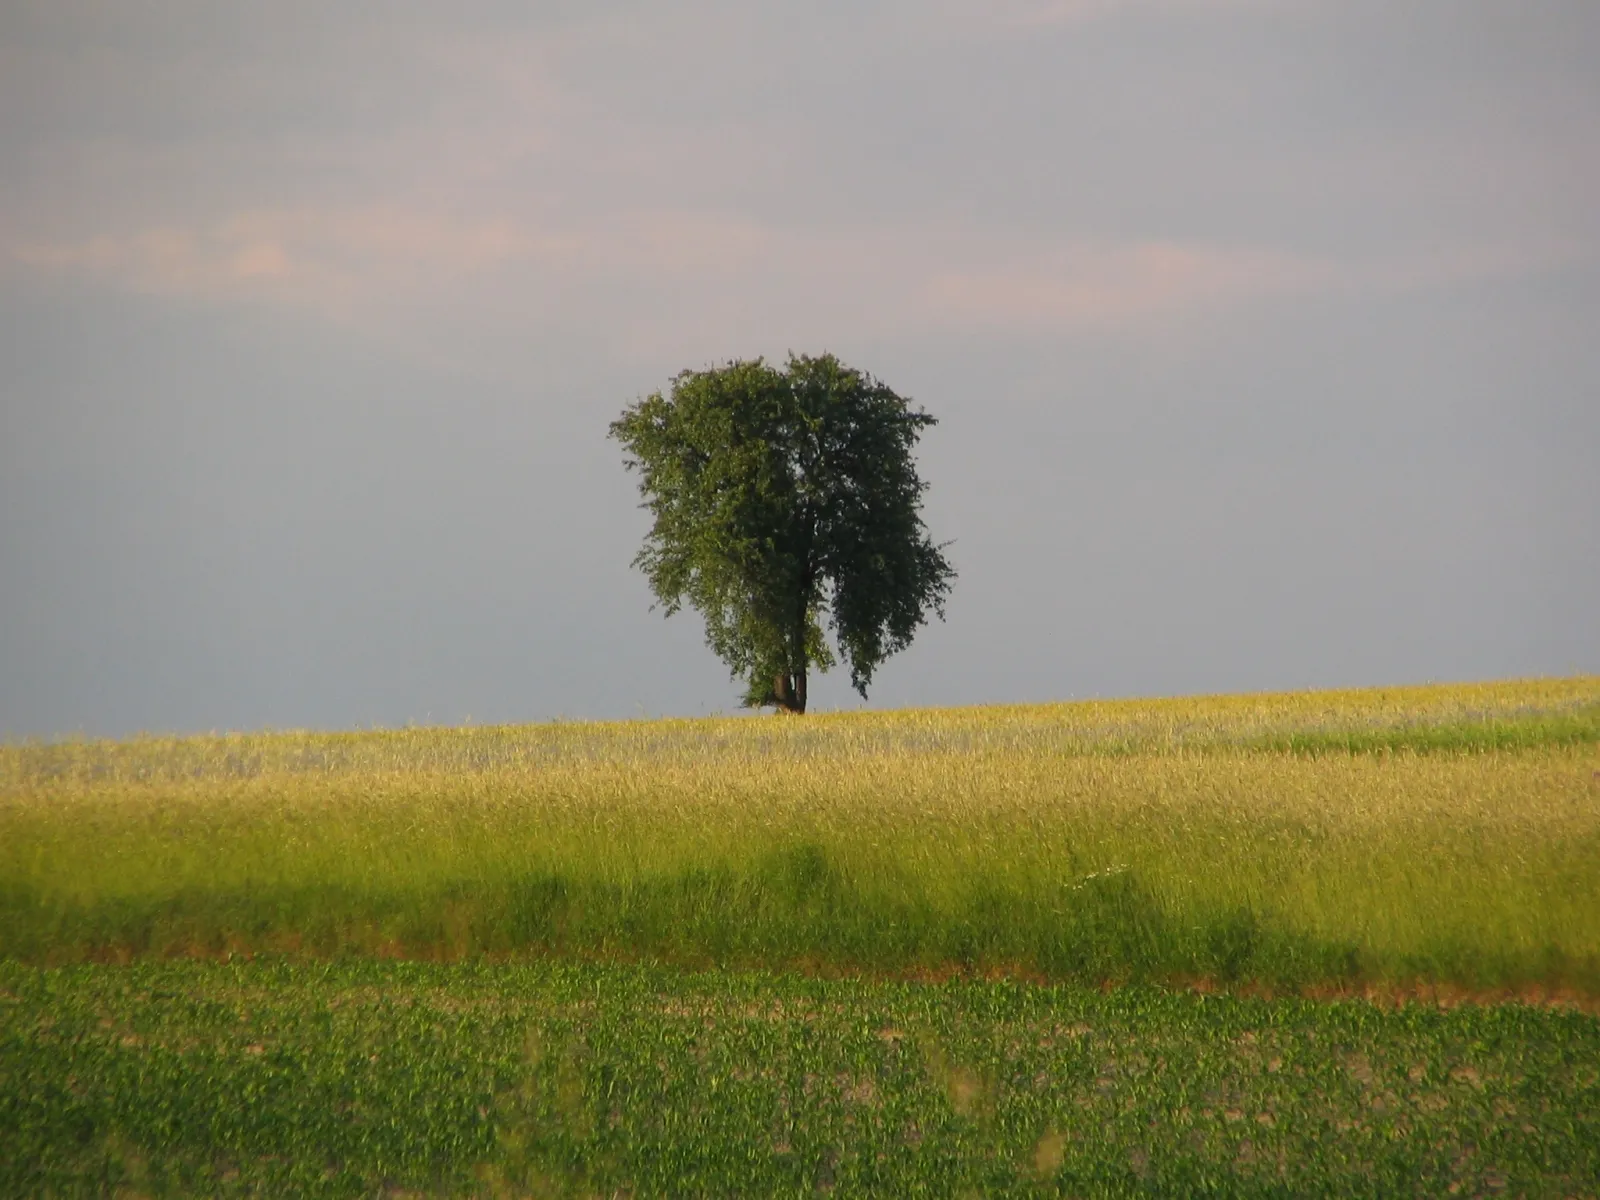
x=368, y=1078
x=1446, y=834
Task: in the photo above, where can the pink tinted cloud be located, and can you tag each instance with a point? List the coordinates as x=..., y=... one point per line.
x=695, y=282
x=334, y=261
x=1092, y=286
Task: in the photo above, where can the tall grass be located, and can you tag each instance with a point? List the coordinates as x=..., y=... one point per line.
x=1446, y=834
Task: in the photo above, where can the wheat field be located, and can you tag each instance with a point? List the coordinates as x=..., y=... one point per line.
x=1441, y=835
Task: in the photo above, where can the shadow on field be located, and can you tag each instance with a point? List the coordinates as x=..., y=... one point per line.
x=791, y=908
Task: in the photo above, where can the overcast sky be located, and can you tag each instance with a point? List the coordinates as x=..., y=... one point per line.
x=1264, y=338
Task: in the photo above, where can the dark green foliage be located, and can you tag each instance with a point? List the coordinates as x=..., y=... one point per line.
x=779, y=496
x=368, y=1078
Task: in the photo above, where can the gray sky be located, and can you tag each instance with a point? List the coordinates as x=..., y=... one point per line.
x=1264, y=336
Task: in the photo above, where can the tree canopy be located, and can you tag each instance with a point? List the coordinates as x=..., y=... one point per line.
x=781, y=497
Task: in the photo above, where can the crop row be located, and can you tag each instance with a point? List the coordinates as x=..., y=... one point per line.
x=351, y=1079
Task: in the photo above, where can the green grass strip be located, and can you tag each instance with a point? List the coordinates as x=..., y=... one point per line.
x=791, y=909
x=366, y=1078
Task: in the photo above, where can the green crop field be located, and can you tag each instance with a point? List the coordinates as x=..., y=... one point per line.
x=1089, y=948
x=368, y=1078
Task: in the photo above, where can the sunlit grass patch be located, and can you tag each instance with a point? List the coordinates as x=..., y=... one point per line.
x=1445, y=834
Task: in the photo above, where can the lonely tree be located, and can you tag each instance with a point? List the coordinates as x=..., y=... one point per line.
x=780, y=497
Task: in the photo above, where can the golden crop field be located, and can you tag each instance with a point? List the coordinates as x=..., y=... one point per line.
x=1443, y=835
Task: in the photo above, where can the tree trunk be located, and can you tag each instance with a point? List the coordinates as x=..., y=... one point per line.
x=788, y=697
x=792, y=684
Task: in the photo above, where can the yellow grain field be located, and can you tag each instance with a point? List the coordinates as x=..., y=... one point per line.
x=1447, y=834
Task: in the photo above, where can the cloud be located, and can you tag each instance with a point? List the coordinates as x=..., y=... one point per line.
x=649, y=282
x=1031, y=14
x=334, y=261
x=1116, y=286
x=644, y=185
